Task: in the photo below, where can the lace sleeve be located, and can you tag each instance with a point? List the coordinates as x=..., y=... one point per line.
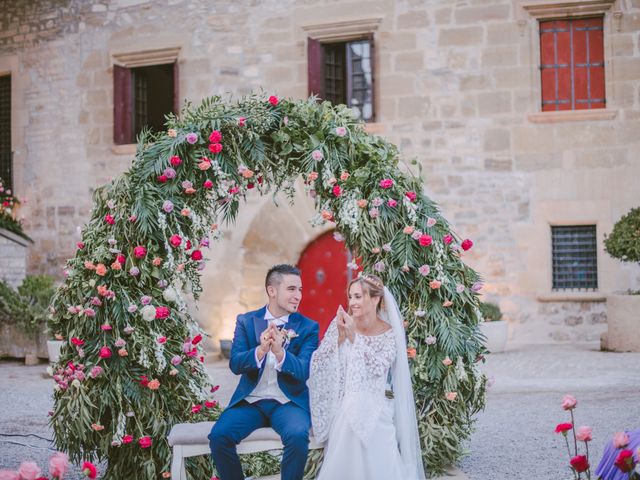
x=326, y=383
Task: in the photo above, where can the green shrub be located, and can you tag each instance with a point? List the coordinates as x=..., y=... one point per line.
x=27, y=308
x=490, y=311
x=624, y=241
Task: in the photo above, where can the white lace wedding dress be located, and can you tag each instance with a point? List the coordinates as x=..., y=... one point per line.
x=350, y=412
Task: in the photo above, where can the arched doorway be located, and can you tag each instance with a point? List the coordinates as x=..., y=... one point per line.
x=325, y=277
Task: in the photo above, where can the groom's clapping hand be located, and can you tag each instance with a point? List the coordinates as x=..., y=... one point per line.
x=265, y=343
x=277, y=341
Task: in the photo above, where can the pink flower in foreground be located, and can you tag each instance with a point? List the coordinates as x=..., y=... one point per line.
x=105, y=352
x=569, y=402
x=620, y=439
x=58, y=465
x=386, y=183
x=139, y=252
x=273, y=100
x=145, y=442
x=451, y=396
x=467, y=244
x=89, y=469
x=583, y=434
x=215, y=136
x=29, y=471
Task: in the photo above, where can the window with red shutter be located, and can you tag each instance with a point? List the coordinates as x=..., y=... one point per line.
x=6, y=155
x=342, y=73
x=142, y=98
x=572, y=64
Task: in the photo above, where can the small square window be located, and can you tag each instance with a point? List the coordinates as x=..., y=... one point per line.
x=342, y=73
x=574, y=257
x=143, y=96
x=572, y=64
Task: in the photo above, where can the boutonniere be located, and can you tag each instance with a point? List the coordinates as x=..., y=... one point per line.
x=289, y=334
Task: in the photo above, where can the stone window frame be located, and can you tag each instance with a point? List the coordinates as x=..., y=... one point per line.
x=11, y=65
x=143, y=58
x=531, y=12
x=349, y=30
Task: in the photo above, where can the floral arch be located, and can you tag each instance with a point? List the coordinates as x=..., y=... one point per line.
x=132, y=365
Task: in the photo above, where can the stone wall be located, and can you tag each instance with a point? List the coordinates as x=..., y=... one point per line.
x=13, y=258
x=457, y=88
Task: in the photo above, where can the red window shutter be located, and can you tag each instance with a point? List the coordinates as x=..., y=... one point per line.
x=122, y=106
x=315, y=68
x=572, y=64
x=176, y=90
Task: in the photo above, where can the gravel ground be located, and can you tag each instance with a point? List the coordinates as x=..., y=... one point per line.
x=514, y=436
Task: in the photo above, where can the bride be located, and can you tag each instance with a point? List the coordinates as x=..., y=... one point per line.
x=362, y=404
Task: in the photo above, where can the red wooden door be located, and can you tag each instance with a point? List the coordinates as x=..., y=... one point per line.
x=324, y=279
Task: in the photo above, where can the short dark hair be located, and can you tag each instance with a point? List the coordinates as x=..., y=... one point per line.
x=275, y=273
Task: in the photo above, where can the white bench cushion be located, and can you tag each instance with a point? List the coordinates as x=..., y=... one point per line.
x=197, y=433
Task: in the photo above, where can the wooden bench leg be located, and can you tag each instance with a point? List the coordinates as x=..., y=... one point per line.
x=178, y=471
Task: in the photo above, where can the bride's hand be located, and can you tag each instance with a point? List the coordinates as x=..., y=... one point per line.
x=348, y=324
x=340, y=324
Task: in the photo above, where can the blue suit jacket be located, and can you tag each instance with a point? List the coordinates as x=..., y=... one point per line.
x=293, y=376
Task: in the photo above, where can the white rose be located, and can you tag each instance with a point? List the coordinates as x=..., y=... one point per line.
x=148, y=312
x=92, y=282
x=170, y=295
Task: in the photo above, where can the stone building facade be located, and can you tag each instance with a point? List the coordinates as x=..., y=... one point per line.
x=457, y=86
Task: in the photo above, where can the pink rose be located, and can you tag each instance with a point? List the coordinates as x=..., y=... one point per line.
x=341, y=131
x=317, y=155
x=392, y=203
x=242, y=121
x=569, y=402
x=215, y=148
x=175, y=241
x=58, y=465
x=207, y=184
x=162, y=312
x=145, y=442
x=162, y=179
x=424, y=270
x=196, y=408
x=425, y=240
x=139, y=252
x=127, y=439
x=105, y=352
x=109, y=219
x=447, y=239
x=386, y=183
x=467, y=244
x=620, y=440
x=435, y=284
x=95, y=372
x=175, y=161
x=215, y=136
x=583, y=434
x=447, y=361
x=196, y=255
x=337, y=191
x=412, y=196
x=29, y=471
x=408, y=230
x=451, y=396
x=273, y=100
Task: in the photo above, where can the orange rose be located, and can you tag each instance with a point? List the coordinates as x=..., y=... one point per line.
x=362, y=203
x=89, y=265
x=172, y=133
x=157, y=261
x=411, y=352
x=434, y=284
x=116, y=266
x=451, y=396
x=408, y=229
x=101, y=269
x=447, y=303
x=190, y=191
x=312, y=176
x=185, y=212
x=247, y=173
x=327, y=215
x=123, y=352
x=154, y=384
x=204, y=165
x=344, y=176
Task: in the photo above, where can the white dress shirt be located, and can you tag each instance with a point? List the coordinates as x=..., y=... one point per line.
x=267, y=387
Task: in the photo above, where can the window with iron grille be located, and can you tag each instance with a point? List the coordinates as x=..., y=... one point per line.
x=572, y=64
x=142, y=98
x=342, y=73
x=574, y=256
x=6, y=160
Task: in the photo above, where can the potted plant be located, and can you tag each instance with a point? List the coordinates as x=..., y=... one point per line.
x=623, y=332
x=493, y=328
x=23, y=314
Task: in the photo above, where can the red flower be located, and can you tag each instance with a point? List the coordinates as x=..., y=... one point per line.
x=250, y=185
x=563, y=428
x=139, y=251
x=425, y=240
x=109, y=219
x=175, y=241
x=144, y=381
x=162, y=312
x=89, y=469
x=196, y=255
x=210, y=404
x=105, y=352
x=386, y=183
x=80, y=245
x=215, y=137
x=242, y=121
x=467, y=244
x=337, y=191
x=215, y=388
x=127, y=439
x=145, y=442
x=215, y=147
x=580, y=463
x=162, y=178
x=77, y=342
x=625, y=461
x=273, y=100
x=207, y=184
x=447, y=239
x=412, y=196
x=188, y=245
x=196, y=340
x=121, y=259
x=175, y=161
x=196, y=408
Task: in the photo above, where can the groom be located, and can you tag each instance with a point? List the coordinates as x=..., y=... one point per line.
x=272, y=350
